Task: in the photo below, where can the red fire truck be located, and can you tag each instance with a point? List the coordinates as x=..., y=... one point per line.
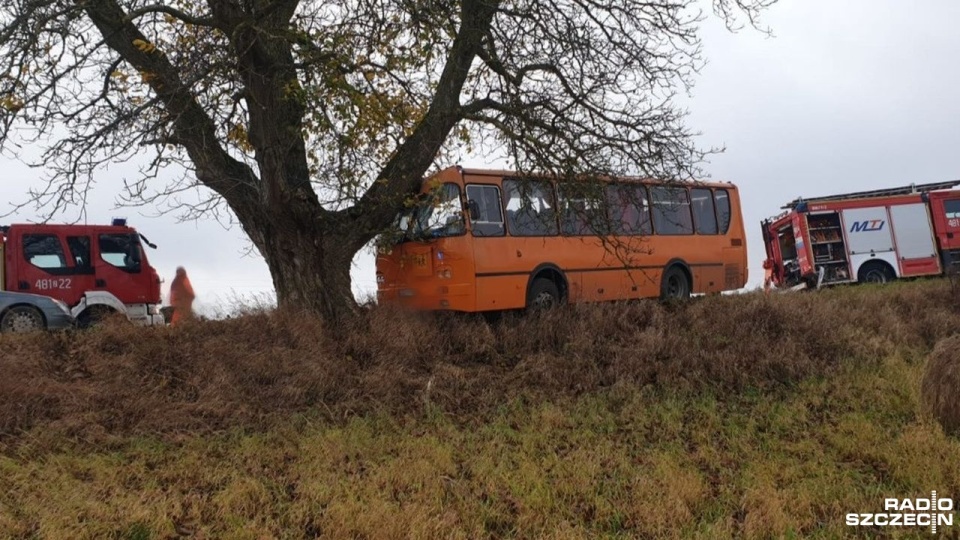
x=94, y=269
x=869, y=236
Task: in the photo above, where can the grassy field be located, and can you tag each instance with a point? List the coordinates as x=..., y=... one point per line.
x=744, y=416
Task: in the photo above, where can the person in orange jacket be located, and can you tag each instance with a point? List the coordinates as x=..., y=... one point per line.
x=768, y=278
x=181, y=297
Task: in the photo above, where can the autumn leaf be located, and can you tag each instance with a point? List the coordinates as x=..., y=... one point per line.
x=144, y=46
x=11, y=103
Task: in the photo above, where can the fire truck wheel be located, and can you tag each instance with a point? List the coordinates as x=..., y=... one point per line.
x=674, y=284
x=874, y=272
x=543, y=295
x=22, y=319
x=93, y=315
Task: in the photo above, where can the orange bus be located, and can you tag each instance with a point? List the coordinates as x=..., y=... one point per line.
x=484, y=240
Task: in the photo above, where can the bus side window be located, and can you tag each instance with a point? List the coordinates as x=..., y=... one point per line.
x=530, y=207
x=486, y=215
x=671, y=210
x=629, y=209
x=722, y=198
x=704, y=216
x=582, y=209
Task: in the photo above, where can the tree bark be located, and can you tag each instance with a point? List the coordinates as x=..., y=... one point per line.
x=309, y=255
x=311, y=271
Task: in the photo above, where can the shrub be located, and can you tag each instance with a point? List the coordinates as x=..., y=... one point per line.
x=940, y=389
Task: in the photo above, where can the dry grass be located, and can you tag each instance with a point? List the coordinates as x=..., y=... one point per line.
x=252, y=370
x=746, y=416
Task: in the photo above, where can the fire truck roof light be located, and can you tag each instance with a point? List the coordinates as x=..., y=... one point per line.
x=119, y=222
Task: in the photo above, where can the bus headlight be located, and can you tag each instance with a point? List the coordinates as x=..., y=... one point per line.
x=445, y=273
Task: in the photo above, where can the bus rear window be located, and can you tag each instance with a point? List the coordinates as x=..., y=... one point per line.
x=703, y=215
x=722, y=198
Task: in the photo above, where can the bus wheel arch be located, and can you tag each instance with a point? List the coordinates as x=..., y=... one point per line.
x=537, y=285
x=676, y=282
x=875, y=271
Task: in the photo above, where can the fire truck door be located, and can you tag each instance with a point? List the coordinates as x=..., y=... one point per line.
x=916, y=250
x=119, y=268
x=868, y=236
x=44, y=267
x=867, y=230
x=947, y=217
x=799, y=226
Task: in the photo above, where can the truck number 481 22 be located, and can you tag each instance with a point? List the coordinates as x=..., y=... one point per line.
x=55, y=283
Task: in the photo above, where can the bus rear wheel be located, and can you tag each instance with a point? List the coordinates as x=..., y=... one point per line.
x=674, y=284
x=543, y=295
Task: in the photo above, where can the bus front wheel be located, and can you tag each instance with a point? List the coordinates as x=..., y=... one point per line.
x=674, y=284
x=543, y=295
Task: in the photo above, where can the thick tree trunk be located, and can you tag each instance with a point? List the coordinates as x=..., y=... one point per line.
x=315, y=279
x=310, y=265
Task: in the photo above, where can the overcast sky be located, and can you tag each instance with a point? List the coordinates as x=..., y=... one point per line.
x=846, y=95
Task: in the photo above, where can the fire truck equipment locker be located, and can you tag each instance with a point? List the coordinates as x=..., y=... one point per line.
x=913, y=234
x=868, y=237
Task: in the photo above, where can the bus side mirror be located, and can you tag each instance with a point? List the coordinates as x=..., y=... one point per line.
x=474, y=210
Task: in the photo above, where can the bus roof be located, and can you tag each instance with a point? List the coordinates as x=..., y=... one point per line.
x=507, y=173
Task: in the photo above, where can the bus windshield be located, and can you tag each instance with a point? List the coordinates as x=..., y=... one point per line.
x=435, y=216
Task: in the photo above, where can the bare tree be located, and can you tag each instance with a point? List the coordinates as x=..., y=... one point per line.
x=314, y=120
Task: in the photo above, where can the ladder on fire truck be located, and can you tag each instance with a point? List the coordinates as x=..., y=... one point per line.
x=888, y=192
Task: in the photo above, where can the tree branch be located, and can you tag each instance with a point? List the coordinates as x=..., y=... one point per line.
x=208, y=22
x=230, y=178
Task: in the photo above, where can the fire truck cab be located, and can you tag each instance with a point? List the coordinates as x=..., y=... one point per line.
x=94, y=269
x=869, y=236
